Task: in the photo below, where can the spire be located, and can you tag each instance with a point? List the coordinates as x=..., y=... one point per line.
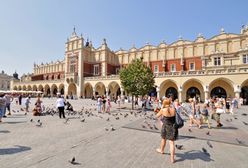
x=74, y=34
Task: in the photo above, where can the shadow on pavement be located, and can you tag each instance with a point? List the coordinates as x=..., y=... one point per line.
x=5, y=131
x=193, y=155
x=16, y=149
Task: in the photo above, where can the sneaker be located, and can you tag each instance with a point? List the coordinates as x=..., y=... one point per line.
x=4, y=116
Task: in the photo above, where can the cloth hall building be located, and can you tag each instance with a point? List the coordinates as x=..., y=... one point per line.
x=217, y=66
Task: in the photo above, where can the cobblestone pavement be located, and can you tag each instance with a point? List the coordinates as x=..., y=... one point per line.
x=52, y=145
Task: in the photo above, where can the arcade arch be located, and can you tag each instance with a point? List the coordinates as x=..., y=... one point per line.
x=193, y=88
x=72, y=89
x=88, y=90
x=221, y=87
x=100, y=89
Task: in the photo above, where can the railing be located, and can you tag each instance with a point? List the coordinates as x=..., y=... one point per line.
x=41, y=81
x=222, y=71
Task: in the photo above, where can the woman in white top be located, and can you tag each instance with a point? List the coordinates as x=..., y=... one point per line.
x=60, y=103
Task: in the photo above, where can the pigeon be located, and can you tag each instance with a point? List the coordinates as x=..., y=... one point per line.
x=143, y=126
x=205, y=151
x=38, y=121
x=31, y=120
x=245, y=123
x=235, y=118
x=208, y=133
x=72, y=161
x=239, y=141
x=83, y=120
x=179, y=147
x=22, y=109
x=117, y=118
x=39, y=124
x=14, y=111
x=209, y=144
x=107, y=119
x=112, y=128
x=156, y=128
x=189, y=130
x=66, y=120
x=106, y=129
x=125, y=115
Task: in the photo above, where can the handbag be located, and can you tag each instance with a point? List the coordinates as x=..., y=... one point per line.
x=179, y=121
x=219, y=111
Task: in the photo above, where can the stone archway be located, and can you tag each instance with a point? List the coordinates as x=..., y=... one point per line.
x=15, y=88
x=166, y=86
x=29, y=88
x=54, y=90
x=244, y=92
x=19, y=88
x=47, y=90
x=40, y=88
x=193, y=92
x=193, y=88
x=24, y=87
x=114, y=90
x=218, y=92
x=35, y=88
x=225, y=84
x=62, y=89
x=172, y=92
x=100, y=89
x=88, y=90
x=72, y=89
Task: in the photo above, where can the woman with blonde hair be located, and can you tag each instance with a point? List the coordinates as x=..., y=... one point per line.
x=168, y=131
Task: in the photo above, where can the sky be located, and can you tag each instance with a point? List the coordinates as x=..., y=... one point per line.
x=35, y=31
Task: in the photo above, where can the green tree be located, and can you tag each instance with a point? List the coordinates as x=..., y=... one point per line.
x=137, y=79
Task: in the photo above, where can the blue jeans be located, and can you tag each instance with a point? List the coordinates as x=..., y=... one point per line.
x=1, y=111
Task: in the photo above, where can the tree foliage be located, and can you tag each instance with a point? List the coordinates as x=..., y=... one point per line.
x=137, y=78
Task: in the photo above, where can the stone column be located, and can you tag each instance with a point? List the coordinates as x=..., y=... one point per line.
x=122, y=95
x=94, y=92
x=237, y=91
x=180, y=96
x=158, y=94
x=106, y=89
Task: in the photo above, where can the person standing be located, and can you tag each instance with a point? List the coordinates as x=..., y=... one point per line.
x=60, y=103
x=108, y=105
x=27, y=102
x=9, y=99
x=103, y=104
x=168, y=131
x=99, y=104
x=2, y=106
x=20, y=99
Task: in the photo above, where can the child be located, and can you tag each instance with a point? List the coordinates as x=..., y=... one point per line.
x=108, y=105
x=204, y=116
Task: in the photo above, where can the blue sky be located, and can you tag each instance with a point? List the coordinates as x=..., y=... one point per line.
x=36, y=30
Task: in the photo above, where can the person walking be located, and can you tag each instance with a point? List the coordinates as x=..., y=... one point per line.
x=20, y=99
x=108, y=105
x=168, y=131
x=27, y=102
x=60, y=104
x=2, y=106
x=9, y=99
x=99, y=104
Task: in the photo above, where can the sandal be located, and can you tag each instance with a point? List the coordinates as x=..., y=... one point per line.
x=159, y=151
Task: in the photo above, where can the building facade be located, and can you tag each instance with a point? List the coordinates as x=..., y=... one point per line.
x=5, y=81
x=217, y=66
